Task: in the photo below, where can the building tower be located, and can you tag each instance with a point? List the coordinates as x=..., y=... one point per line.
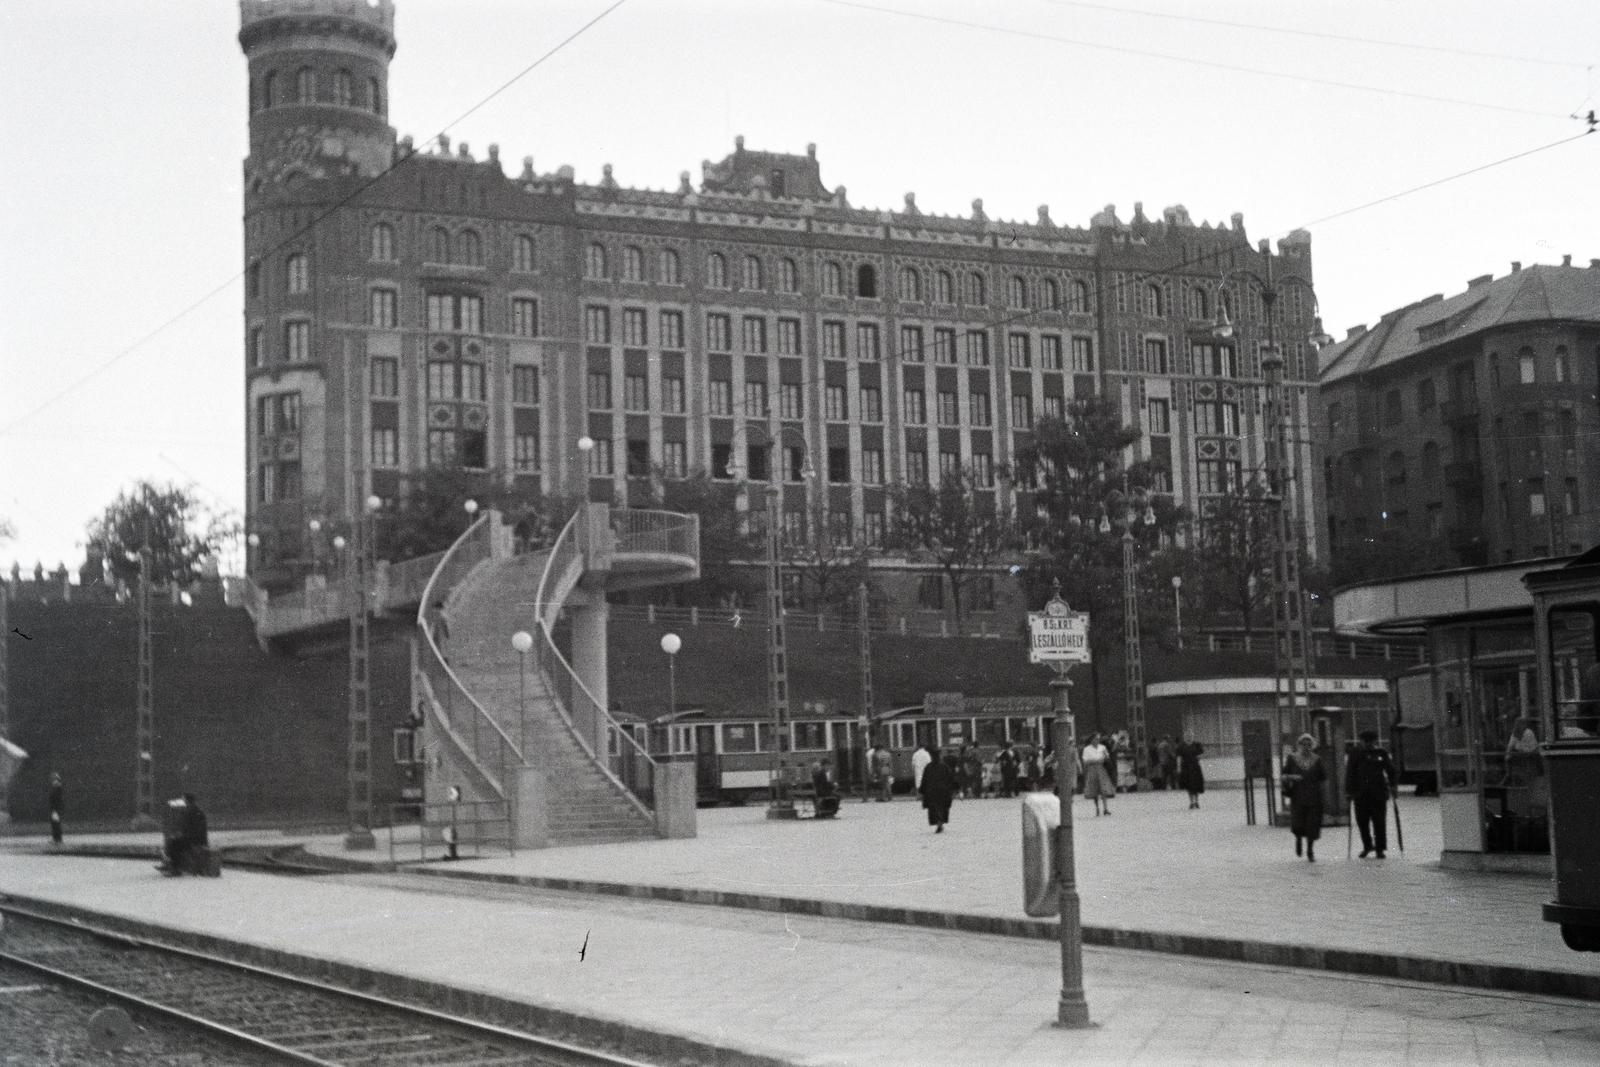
x=318, y=134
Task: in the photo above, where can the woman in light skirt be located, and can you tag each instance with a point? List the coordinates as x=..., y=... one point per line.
x=1097, y=785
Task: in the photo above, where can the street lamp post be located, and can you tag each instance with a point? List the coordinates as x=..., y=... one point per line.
x=1177, y=607
x=522, y=641
x=1131, y=510
x=670, y=643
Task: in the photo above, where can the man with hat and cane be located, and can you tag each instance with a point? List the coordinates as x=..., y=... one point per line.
x=1371, y=782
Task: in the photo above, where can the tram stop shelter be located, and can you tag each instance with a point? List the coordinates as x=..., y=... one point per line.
x=1478, y=696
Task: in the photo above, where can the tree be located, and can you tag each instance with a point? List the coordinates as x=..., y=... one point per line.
x=181, y=536
x=431, y=513
x=956, y=525
x=831, y=563
x=1233, y=556
x=725, y=541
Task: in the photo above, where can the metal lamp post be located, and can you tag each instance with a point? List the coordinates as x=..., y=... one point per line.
x=670, y=643
x=1177, y=607
x=522, y=641
x=1132, y=510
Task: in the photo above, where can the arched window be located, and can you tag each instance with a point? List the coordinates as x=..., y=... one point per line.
x=832, y=279
x=1430, y=462
x=341, y=88
x=1153, y=301
x=1049, y=295
x=439, y=245
x=910, y=284
x=374, y=96
x=383, y=242
x=632, y=264
x=296, y=274
x=305, y=86
x=269, y=89
x=717, y=271
x=944, y=288
x=594, y=262
x=1017, y=292
x=977, y=292
x=671, y=270
x=1527, y=367
x=1078, y=296
x=1199, y=306
x=470, y=245
x=750, y=273
x=1563, y=364
x=522, y=253
x=867, y=281
x=788, y=276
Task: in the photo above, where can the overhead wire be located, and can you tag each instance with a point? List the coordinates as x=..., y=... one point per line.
x=404, y=158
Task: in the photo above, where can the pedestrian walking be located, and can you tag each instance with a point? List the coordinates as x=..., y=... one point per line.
x=1167, y=754
x=1370, y=781
x=883, y=773
x=1097, y=785
x=919, y=763
x=1190, y=774
x=1123, y=750
x=937, y=786
x=57, y=808
x=1303, y=776
x=972, y=773
x=1008, y=771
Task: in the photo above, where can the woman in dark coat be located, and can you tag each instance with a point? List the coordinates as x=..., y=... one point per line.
x=1190, y=776
x=938, y=788
x=1303, y=775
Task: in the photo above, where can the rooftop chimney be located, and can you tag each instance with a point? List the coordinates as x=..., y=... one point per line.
x=1482, y=279
x=1516, y=265
x=1356, y=331
x=1566, y=261
x=1594, y=264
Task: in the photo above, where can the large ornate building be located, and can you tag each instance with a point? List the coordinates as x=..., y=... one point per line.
x=1471, y=419
x=408, y=309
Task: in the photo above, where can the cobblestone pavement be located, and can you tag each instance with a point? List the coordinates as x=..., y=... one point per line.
x=829, y=992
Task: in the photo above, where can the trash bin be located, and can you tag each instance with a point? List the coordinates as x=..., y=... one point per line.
x=1574, y=775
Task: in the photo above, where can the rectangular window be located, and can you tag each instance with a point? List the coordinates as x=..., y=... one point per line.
x=911, y=344
x=949, y=465
x=638, y=459
x=675, y=459
x=833, y=340
x=1082, y=355
x=755, y=400
x=386, y=448
x=450, y=314
x=944, y=346
x=873, y=528
x=1155, y=357
x=297, y=341
x=719, y=333
x=267, y=483
x=756, y=460
x=917, y=468
x=930, y=592
x=1160, y=416
x=1217, y=361
x=1050, y=352
x=916, y=409
x=384, y=376
x=1021, y=411
x=1018, y=355
x=1055, y=407
x=672, y=396
x=788, y=337
x=442, y=381
x=791, y=401
x=755, y=333
x=1527, y=369
x=383, y=309
x=442, y=448
x=834, y=407
x=287, y=411
x=635, y=393
x=1217, y=475
x=838, y=465
x=978, y=409
x=871, y=404
x=599, y=389
x=721, y=397
x=949, y=409
x=977, y=348
x=597, y=325
x=633, y=327
x=258, y=347
x=872, y=466
x=525, y=452
x=983, y=470
x=1216, y=419
x=794, y=463
x=867, y=342
x=472, y=382
x=524, y=384
x=672, y=329
x=525, y=317
x=601, y=462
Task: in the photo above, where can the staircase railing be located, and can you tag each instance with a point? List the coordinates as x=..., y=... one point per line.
x=629, y=766
x=467, y=720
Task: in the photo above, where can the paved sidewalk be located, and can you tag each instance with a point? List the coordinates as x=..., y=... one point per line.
x=825, y=992
x=1152, y=865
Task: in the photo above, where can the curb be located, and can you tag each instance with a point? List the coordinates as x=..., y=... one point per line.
x=556, y=1023
x=1506, y=978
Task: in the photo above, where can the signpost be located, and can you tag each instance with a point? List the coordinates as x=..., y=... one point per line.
x=1060, y=638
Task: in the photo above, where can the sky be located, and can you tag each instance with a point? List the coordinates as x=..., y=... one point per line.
x=125, y=121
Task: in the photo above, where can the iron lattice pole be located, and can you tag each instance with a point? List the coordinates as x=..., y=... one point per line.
x=866, y=680
x=1133, y=662
x=359, y=836
x=1291, y=638
x=781, y=805
x=144, y=796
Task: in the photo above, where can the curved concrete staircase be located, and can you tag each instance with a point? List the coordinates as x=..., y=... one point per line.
x=521, y=732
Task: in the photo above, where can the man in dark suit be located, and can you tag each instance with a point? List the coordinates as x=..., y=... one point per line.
x=1370, y=780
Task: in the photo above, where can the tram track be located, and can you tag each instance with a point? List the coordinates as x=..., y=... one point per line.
x=290, y=1018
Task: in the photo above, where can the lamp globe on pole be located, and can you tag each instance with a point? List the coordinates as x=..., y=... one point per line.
x=670, y=643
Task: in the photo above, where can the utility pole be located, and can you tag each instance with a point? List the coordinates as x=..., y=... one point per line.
x=781, y=804
x=144, y=800
x=1133, y=660
x=866, y=680
x=359, y=837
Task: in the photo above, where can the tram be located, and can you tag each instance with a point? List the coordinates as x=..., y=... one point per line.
x=734, y=757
